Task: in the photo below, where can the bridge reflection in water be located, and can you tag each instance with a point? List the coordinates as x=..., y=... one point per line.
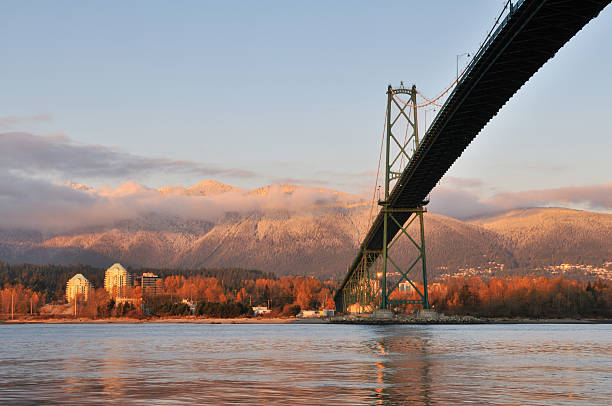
x=404, y=368
x=306, y=364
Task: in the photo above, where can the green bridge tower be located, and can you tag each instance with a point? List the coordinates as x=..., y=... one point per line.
x=401, y=114
x=386, y=267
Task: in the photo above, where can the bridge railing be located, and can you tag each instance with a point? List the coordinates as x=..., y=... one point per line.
x=509, y=8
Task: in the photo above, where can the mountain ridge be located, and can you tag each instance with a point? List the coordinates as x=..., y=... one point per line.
x=318, y=237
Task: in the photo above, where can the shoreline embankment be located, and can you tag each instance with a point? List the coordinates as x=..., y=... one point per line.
x=444, y=320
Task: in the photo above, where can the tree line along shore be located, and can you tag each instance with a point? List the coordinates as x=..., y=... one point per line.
x=37, y=292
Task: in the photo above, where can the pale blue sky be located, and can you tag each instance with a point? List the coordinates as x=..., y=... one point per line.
x=292, y=91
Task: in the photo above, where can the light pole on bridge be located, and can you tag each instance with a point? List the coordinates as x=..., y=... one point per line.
x=457, y=65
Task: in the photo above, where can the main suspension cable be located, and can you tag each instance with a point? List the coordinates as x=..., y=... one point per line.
x=382, y=143
x=429, y=101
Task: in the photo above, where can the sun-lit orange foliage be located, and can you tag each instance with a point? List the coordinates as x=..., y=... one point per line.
x=19, y=300
x=522, y=296
x=513, y=296
x=194, y=288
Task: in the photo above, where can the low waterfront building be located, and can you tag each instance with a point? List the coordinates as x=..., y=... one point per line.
x=149, y=284
x=78, y=286
x=117, y=280
x=405, y=287
x=260, y=310
x=192, y=305
x=357, y=308
x=306, y=314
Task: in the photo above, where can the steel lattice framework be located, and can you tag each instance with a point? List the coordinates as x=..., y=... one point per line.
x=529, y=35
x=378, y=275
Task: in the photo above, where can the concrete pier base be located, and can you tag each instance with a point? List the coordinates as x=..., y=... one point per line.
x=382, y=314
x=428, y=314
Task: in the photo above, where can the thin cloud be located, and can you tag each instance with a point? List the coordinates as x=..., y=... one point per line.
x=457, y=202
x=60, y=157
x=298, y=181
x=344, y=175
x=463, y=182
x=361, y=183
x=358, y=183
x=463, y=202
x=592, y=196
x=12, y=120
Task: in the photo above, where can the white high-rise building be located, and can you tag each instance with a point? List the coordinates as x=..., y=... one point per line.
x=116, y=280
x=78, y=285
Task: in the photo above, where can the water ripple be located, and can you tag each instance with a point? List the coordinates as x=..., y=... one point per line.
x=305, y=364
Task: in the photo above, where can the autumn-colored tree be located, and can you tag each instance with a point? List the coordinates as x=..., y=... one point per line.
x=517, y=296
x=513, y=296
x=17, y=300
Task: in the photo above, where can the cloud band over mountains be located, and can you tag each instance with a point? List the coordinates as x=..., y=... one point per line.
x=34, y=204
x=463, y=203
x=34, y=193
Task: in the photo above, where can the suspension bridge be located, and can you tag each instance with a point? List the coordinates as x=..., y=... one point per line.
x=525, y=36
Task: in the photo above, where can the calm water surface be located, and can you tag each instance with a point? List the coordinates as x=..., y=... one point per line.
x=305, y=364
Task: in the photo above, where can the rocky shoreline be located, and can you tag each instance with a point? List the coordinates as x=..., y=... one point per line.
x=357, y=320
x=441, y=320
x=127, y=320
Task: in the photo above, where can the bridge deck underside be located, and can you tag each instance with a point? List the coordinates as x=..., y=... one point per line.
x=531, y=36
